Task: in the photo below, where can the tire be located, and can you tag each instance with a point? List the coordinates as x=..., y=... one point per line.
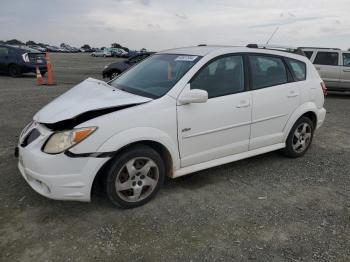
x=114, y=74
x=299, y=138
x=134, y=177
x=14, y=70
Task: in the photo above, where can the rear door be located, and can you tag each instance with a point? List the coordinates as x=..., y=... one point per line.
x=345, y=71
x=327, y=65
x=4, y=58
x=275, y=97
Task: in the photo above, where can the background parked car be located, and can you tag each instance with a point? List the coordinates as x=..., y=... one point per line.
x=17, y=60
x=333, y=65
x=39, y=48
x=102, y=53
x=117, y=52
x=114, y=69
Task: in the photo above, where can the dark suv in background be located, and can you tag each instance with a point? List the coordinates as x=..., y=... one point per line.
x=115, y=69
x=16, y=60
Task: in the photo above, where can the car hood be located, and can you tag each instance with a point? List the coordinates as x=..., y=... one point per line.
x=90, y=95
x=118, y=65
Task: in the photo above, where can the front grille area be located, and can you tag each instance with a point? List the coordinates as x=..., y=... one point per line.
x=30, y=137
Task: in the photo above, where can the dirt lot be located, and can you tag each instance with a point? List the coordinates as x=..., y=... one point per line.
x=267, y=208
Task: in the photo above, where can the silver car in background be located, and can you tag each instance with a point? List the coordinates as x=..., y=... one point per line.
x=333, y=65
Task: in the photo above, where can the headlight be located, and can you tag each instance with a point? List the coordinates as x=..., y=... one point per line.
x=105, y=66
x=61, y=141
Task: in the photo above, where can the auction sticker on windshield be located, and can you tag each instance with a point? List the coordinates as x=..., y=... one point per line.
x=188, y=58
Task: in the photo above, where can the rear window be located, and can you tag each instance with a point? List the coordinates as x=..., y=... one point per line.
x=327, y=58
x=308, y=54
x=298, y=69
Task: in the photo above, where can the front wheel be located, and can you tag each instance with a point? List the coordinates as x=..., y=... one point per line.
x=135, y=177
x=299, y=138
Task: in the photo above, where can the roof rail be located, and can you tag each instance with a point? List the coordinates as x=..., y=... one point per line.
x=329, y=48
x=294, y=50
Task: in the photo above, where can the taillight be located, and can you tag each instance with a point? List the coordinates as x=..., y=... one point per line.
x=25, y=57
x=324, y=88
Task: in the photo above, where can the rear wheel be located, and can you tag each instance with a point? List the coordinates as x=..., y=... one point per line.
x=299, y=138
x=135, y=177
x=14, y=70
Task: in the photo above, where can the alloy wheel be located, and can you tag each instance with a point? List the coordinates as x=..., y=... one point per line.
x=302, y=137
x=137, y=179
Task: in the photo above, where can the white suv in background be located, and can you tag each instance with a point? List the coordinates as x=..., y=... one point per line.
x=333, y=66
x=177, y=112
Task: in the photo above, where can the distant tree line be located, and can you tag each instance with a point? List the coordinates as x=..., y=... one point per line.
x=31, y=42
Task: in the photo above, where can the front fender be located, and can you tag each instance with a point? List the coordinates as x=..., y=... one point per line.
x=140, y=134
x=302, y=109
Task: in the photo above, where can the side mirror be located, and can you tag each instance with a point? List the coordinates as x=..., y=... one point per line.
x=193, y=96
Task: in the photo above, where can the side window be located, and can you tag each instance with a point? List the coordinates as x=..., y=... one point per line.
x=346, y=59
x=267, y=71
x=327, y=58
x=3, y=50
x=221, y=77
x=298, y=68
x=309, y=54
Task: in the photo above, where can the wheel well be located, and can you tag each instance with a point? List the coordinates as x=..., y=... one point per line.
x=312, y=116
x=161, y=149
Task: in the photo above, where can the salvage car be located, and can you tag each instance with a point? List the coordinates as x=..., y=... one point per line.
x=21, y=59
x=113, y=70
x=175, y=113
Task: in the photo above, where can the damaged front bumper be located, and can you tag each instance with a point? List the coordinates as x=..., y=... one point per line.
x=57, y=176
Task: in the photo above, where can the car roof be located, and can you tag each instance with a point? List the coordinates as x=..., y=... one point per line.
x=204, y=50
x=21, y=47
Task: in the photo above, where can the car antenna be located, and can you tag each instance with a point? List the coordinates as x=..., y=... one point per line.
x=274, y=32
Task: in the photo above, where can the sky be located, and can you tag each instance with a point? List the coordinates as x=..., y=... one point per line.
x=164, y=24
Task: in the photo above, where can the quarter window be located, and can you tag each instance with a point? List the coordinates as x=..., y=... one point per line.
x=267, y=71
x=308, y=54
x=298, y=68
x=346, y=59
x=221, y=77
x=327, y=58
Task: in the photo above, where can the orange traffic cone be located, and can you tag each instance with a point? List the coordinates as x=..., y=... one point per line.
x=39, y=77
x=49, y=73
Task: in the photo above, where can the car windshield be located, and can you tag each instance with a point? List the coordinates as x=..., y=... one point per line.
x=155, y=76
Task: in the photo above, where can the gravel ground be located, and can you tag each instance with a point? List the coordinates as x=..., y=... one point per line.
x=266, y=208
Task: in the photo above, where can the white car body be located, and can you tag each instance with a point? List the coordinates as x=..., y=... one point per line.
x=195, y=136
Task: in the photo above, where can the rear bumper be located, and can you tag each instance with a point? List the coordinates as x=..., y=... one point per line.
x=321, y=115
x=31, y=68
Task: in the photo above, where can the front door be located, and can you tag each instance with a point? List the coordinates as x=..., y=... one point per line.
x=221, y=126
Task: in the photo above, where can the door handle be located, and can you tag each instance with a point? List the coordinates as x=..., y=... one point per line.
x=243, y=104
x=318, y=68
x=346, y=70
x=292, y=94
